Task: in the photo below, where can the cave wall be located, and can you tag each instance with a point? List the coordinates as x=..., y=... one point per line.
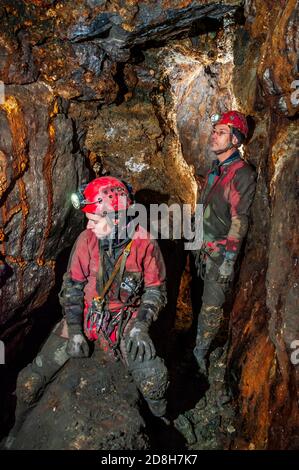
x=265, y=312
x=128, y=87
x=40, y=167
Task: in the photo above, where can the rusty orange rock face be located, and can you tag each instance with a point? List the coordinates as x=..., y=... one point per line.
x=32, y=125
x=255, y=389
x=264, y=319
x=269, y=409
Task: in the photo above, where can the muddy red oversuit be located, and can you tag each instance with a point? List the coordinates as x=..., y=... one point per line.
x=139, y=294
x=226, y=197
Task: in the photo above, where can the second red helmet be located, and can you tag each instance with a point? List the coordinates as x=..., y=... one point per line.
x=233, y=119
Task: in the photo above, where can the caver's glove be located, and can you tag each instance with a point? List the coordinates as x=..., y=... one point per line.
x=226, y=272
x=77, y=345
x=139, y=344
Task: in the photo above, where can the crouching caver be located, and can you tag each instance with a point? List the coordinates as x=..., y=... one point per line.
x=114, y=288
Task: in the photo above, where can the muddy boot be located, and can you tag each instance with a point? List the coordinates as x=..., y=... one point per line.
x=30, y=384
x=209, y=321
x=33, y=379
x=219, y=389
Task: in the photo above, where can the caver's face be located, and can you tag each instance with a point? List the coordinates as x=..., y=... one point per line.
x=220, y=137
x=100, y=225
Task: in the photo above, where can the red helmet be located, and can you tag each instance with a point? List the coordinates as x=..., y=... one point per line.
x=103, y=195
x=232, y=119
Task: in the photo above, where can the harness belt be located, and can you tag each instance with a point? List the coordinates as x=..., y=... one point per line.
x=102, y=319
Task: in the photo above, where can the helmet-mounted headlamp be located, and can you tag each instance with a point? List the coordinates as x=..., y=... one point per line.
x=78, y=200
x=215, y=118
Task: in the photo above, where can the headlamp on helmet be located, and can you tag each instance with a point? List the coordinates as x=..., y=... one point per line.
x=215, y=118
x=78, y=200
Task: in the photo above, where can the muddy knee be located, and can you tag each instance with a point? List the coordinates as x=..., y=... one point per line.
x=151, y=378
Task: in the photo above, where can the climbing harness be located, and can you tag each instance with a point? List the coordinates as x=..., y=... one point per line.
x=99, y=318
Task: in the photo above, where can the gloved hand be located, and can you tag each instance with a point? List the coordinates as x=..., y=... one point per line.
x=139, y=344
x=226, y=272
x=77, y=345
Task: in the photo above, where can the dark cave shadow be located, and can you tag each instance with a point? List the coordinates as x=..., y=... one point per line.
x=6, y=271
x=187, y=386
x=150, y=196
x=251, y=127
x=162, y=330
x=198, y=27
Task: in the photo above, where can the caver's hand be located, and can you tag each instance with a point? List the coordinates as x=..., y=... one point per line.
x=139, y=345
x=226, y=272
x=77, y=345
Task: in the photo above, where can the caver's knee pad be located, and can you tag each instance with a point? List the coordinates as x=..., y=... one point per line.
x=151, y=377
x=210, y=318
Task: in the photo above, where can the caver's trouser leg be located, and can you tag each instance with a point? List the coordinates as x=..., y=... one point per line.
x=34, y=377
x=211, y=315
x=151, y=378
x=209, y=322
